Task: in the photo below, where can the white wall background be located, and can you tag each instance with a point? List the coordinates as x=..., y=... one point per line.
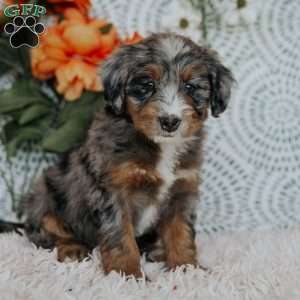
x=251, y=174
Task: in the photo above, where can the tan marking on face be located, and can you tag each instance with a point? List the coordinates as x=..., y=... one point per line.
x=124, y=258
x=155, y=71
x=144, y=117
x=186, y=74
x=133, y=175
x=192, y=119
x=178, y=241
x=55, y=226
x=191, y=71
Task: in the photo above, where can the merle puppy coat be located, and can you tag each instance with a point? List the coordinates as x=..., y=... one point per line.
x=132, y=186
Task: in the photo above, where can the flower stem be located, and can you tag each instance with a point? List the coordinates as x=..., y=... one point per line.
x=201, y=6
x=204, y=19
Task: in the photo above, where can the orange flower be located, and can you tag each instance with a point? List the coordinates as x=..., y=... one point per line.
x=60, y=6
x=133, y=40
x=75, y=76
x=71, y=51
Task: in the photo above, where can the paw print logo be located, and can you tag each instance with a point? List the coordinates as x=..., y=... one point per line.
x=24, y=31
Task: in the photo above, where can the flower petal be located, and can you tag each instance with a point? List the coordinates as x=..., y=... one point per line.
x=74, y=14
x=82, y=38
x=74, y=91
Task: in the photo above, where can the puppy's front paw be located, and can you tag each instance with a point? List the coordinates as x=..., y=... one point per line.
x=133, y=175
x=127, y=266
x=179, y=243
x=177, y=261
x=71, y=251
x=123, y=263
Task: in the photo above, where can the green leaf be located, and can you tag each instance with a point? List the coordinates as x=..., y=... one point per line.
x=83, y=109
x=34, y=112
x=73, y=122
x=15, y=115
x=65, y=137
x=9, y=57
x=32, y=121
x=9, y=131
x=21, y=94
x=24, y=135
x=14, y=135
x=4, y=68
x=14, y=59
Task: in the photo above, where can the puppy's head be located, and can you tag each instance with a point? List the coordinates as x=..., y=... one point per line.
x=166, y=84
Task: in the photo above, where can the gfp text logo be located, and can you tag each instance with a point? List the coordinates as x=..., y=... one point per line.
x=15, y=10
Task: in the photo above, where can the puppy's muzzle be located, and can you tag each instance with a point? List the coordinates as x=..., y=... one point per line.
x=169, y=123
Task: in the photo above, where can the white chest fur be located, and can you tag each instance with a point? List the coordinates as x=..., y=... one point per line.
x=166, y=169
x=147, y=219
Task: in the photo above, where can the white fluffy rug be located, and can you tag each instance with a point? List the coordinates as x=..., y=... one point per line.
x=259, y=265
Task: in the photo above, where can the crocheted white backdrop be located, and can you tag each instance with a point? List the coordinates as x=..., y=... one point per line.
x=251, y=173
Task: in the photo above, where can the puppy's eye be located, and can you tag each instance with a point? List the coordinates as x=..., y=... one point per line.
x=198, y=92
x=141, y=88
x=189, y=88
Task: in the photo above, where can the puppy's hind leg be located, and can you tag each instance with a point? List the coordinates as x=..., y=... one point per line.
x=70, y=250
x=67, y=246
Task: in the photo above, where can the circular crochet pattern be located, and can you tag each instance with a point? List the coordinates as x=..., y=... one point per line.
x=251, y=171
x=278, y=37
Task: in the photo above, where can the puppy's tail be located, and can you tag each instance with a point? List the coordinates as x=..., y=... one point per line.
x=11, y=227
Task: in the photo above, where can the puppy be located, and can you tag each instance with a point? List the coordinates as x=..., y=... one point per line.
x=132, y=186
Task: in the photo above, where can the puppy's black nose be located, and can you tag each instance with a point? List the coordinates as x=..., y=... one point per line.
x=169, y=123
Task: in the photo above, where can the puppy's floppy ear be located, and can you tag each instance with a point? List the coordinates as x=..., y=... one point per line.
x=221, y=84
x=114, y=73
